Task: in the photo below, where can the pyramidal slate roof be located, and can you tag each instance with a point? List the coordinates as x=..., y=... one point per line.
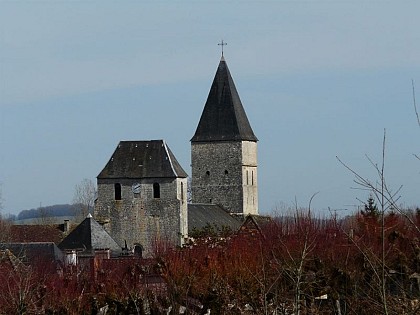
x=89, y=235
x=223, y=117
x=142, y=159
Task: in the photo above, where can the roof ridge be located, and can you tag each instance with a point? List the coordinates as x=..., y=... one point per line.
x=169, y=157
x=142, y=159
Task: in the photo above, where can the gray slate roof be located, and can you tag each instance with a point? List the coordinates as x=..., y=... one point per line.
x=34, y=251
x=89, y=235
x=142, y=159
x=200, y=215
x=223, y=117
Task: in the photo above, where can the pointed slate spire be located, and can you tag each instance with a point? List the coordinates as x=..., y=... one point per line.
x=223, y=117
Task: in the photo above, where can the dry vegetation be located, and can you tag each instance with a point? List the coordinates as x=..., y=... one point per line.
x=292, y=265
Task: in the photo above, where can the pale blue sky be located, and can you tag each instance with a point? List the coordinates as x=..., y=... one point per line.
x=317, y=79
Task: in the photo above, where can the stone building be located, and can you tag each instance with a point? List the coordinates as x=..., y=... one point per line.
x=224, y=150
x=142, y=190
x=142, y=196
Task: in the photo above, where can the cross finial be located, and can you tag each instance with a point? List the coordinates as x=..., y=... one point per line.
x=223, y=43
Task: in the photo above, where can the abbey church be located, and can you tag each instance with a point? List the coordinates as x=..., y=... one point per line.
x=142, y=190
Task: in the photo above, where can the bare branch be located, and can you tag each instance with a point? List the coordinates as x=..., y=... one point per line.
x=84, y=198
x=414, y=102
x=310, y=202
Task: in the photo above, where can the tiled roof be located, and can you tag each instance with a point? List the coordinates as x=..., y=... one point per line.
x=142, y=159
x=201, y=215
x=35, y=233
x=223, y=117
x=88, y=236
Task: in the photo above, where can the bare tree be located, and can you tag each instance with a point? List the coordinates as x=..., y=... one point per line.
x=84, y=198
x=44, y=216
x=387, y=200
x=4, y=230
x=297, y=244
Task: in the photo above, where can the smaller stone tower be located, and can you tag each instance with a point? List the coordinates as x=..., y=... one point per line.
x=142, y=196
x=224, y=150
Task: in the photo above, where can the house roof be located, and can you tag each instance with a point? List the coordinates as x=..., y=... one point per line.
x=254, y=222
x=223, y=117
x=142, y=159
x=89, y=235
x=35, y=233
x=202, y=215
x=34, y=251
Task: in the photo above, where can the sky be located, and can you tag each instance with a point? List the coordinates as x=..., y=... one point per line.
x=318, y=79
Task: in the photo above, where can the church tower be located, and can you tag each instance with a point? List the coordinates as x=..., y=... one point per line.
x=142, y=196
x=224, y=150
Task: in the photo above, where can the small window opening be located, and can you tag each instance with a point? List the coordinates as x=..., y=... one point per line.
x=210, y=200
x=156, y=190
x=117, y=191
x=182, y=191
x=252, y=177
x=226, y=172
x=247, y=178
x=208, y=173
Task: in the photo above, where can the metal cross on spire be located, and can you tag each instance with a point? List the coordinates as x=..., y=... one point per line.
x=222, y=44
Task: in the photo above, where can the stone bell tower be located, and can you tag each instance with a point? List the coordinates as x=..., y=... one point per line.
x=224, y=150
x=142, y=196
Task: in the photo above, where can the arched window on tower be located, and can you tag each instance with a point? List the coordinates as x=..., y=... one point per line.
x=156, y=190
x=117, y=191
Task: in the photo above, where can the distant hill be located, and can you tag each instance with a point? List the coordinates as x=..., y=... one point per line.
x=49, y=220
x=64, y=210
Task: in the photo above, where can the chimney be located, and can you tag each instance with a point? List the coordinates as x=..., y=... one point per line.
x=66, y=225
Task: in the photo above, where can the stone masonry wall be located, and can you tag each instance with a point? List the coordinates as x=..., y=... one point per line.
x=250, y=177
x=217, y=174
x=139, y=218
x=225, y=173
